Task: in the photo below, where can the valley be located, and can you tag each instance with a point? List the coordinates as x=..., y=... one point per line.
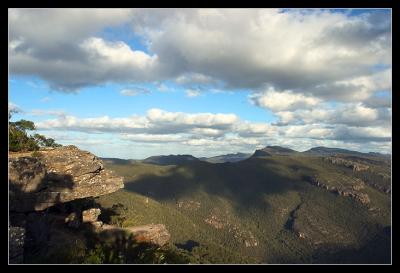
x=277, y=206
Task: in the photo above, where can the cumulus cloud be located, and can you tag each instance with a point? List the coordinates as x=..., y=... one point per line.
x=156, y=121
x=66, y=53
x=163, y=88
x=192, y=93
x=343, y=133
x=321, y=73
x=253, y=129
x=354, y=89
x=352, y=114
x=378, y=102
x=283, y=101
x=220, y=130
x=134, y=91
x=162, y=126
x=193, y=78
x=357, y=134
x=152, y=138
x=304, y=51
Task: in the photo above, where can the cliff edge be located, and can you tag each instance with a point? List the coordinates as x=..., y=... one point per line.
x=55, y=176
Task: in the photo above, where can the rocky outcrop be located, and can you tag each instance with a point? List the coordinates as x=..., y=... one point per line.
x=150, y=234
x=73, y=220
x=356, y=166
x=56, y=176
x=63, y=178
x=90, y=215
x=352, y=190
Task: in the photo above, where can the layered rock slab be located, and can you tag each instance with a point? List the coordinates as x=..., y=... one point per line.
x=56, y=176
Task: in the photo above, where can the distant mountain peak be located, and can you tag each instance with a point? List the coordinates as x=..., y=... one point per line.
x=273, y=150
x=170, y=159
x=330, y=151
x=226, y=158
x=327, y=151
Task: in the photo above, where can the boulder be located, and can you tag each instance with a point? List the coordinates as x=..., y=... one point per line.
x=90, y=215
x=72, y=220
x=97, y=225
x=151, y=234
x=56, y=176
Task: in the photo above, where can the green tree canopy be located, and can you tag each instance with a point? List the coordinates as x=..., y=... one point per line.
x=19, y=140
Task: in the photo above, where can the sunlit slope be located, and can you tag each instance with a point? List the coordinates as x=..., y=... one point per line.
x=263, y=209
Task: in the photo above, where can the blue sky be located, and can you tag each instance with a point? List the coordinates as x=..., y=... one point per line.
x=30, y=93
x=134, y=83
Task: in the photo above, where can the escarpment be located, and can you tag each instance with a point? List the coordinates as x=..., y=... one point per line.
x=51, y=195
x=57, y=176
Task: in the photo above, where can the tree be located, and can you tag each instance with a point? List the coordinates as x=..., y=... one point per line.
x=19, y=140
x=18, y=137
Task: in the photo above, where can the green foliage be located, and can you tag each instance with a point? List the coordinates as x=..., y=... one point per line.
x=95, y=256
x=24, y=125
x=36, y=154
x=20, y=141
x=45, y=142
x=134, y=253
x=257, y=198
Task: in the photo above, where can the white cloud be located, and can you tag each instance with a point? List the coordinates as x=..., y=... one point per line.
x=192, y=93
x=189, y=79
x=316, y=70
x=252, y=129
x=224, y=132
x=209, y=132
x=353, y=114
x=156, y=121
x=343, y=133
x=117, y=54
x=152, y=138
x=134, y=91
x=283, y=101
x=317, y=52
x=163, y=88
x=201, y=120
x=12, y=107
x=39, y=112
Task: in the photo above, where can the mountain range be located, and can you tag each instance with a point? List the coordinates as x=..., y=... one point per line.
x=323, y=205
x=236, y=157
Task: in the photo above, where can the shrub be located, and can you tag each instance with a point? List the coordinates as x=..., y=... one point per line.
x=36, y=154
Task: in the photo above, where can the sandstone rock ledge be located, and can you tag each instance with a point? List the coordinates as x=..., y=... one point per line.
x=152, y=234
x=56, y=176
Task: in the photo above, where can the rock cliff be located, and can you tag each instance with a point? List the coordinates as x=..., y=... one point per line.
x=356, y=166
x=55, y=176
x=352, y=189
x=45, y=190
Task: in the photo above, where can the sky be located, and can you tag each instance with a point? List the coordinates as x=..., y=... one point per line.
x=132, y=83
